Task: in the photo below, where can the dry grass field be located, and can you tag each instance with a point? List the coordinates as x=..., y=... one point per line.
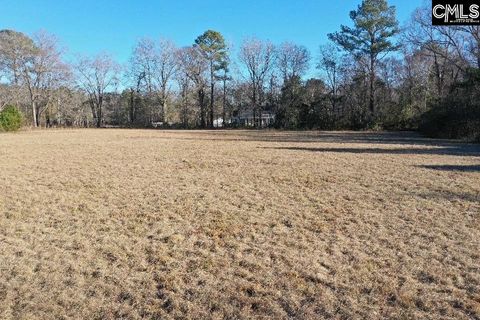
x=133, y=224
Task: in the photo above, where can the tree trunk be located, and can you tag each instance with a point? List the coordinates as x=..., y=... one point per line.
x=164, y=107
x=478, y=53
x=99, y=112
x=94, y=111
x=254, y=100
x=34, y=113
x=437, y=75
x=201, y=100
x=224, y=102
x=334, y=102
x=212, y=92
x=132, y=106
x=48, y=123
x=37, y=110
x=371, y=102
x=185, y=110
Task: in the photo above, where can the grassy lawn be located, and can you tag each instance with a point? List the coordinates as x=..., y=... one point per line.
x=108, y=224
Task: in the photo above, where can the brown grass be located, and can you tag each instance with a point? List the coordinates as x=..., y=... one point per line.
x=104, y=224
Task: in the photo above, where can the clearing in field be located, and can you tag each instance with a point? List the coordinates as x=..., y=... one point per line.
x=104, y=224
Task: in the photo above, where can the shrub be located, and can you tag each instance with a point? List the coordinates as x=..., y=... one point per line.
x=456, y=116
x=10, y=119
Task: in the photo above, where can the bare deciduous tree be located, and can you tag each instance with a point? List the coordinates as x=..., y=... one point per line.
x=258, y=58
x=184, y=84
x=165, y=68
x=16, y=49
x=292, y=59
x=439, y=45
x=35, y=66
x=330, y=61
x=44, y=73
x=96, y=76
x=195, y=66
x=152, y=67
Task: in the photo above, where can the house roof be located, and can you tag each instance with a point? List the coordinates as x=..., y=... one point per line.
x=249, y=114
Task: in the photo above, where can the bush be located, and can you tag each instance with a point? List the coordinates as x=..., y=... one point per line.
x=452, y=120
x=10, y=119
x=456, y=116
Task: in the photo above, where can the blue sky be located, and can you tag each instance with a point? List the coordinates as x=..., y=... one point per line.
x=90, y=26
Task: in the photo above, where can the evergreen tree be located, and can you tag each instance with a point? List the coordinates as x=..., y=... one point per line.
x=375, y=24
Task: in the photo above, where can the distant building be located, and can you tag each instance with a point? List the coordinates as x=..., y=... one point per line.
x=218, y=123
x=157, y=124
x=247, y=119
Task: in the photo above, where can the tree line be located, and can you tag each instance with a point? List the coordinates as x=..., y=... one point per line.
x=373, y=74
